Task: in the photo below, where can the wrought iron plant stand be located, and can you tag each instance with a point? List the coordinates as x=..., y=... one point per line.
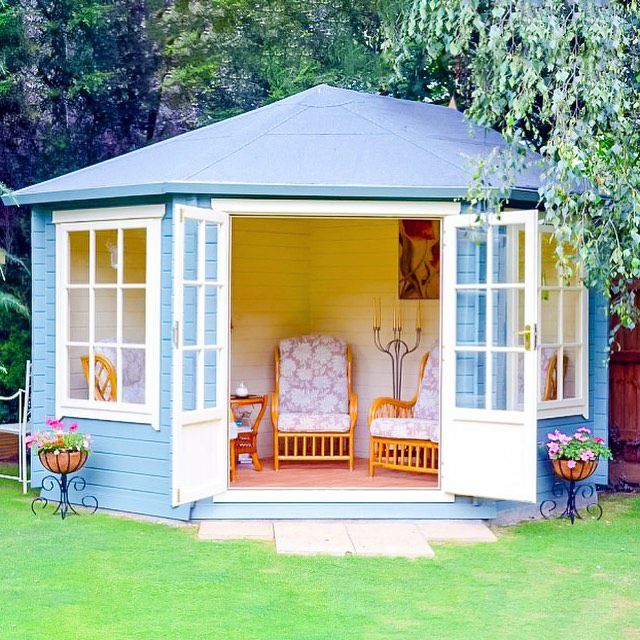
x=566, y=485
x=65, y=463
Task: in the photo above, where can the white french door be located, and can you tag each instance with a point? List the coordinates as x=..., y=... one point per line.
x=489, y=370
x=200, y=362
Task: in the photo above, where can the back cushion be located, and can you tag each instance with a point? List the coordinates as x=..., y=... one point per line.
x=313, y=375
x=428, y=404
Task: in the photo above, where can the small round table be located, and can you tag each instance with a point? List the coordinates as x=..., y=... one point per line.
x=249, y=410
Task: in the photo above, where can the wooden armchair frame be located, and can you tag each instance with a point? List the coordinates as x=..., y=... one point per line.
x=313, y=445
x=551, y=377
x=401, y=454
x=105, y=380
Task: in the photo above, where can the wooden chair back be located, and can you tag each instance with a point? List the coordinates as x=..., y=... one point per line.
x=105, y=383
x=277, y=370
x=550, y=391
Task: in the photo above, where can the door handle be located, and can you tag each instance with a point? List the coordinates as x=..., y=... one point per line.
x=528, y=333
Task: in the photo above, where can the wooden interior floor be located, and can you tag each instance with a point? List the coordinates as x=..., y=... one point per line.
x=327, y=475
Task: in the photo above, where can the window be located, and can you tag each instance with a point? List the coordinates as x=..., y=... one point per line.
x=563, y=331
x=108, y=319
x=490, y=291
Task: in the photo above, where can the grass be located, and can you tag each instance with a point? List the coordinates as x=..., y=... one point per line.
x=101, y=576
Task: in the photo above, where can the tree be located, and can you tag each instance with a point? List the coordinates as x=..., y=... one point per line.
x=561, y=78
x=229, y=56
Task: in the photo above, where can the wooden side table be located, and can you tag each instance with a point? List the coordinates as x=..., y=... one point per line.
x=250, y=410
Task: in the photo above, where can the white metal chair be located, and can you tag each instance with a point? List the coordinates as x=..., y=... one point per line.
x=21, y=429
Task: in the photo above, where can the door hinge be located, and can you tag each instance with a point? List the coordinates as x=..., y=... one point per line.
x=176, y=334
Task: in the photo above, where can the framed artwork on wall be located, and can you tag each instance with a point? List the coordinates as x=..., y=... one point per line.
x=419, y=260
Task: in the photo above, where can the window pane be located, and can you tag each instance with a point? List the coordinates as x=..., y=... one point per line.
x=570, y=277
x=106, y=256
x=78, y=257
x=106, y=366
x=471, y=313
x=571, y=363
x=133, y=375
x=106, y=315
x=549, y=373
x=507, y=253
x=210, y=367
x=507, y=386
x=78, y=315
x=508, y=317
x=78, y=372
x=135, y=255
x=548, y=271
x=133, y=315
x=190, y=249
x=470, y=380
x=211, y=251
x=471, y=265
x=190, y=304
x=189, y=377
x=549, y=314
x=210, y=315
x=572, y=312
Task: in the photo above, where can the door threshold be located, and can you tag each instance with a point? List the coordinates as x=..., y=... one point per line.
x=334, y=495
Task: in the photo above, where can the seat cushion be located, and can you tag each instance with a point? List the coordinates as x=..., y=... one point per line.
x=300, y=422
x=406, y=428
x=428, y=403
x=313, y=375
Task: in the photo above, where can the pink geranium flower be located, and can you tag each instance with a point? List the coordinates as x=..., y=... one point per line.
x=571, y=464
x=73, y=427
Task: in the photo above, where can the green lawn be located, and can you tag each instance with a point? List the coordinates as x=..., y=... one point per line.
x=107, y=577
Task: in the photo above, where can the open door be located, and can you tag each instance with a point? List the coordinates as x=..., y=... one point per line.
x=200, y=357
x=489, y=397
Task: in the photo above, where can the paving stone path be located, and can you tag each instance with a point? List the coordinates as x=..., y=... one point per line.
x=394, y=538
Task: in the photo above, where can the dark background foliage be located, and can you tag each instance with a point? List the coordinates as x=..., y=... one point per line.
x=85, y=80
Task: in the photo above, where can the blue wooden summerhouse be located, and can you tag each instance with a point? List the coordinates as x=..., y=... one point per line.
x=165, y=277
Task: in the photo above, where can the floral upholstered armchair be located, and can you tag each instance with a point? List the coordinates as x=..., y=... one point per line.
x=313, y=410
x=404, y=435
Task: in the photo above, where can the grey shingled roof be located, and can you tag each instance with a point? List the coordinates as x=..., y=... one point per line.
x=323, y=141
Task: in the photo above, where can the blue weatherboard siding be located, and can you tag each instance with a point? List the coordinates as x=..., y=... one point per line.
x=598, y=420
x=463, y=508
x=129, y=468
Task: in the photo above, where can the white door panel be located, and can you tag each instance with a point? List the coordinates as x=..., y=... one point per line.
x=489, y=381
x=200, y=364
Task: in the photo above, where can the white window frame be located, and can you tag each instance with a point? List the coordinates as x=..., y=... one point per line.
x=120, y=218
x=564, y=407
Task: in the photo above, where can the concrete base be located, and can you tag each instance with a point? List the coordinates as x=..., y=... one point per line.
x=391, y=538
x=236, y=530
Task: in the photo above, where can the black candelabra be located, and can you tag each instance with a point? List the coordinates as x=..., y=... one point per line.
x=397, y=349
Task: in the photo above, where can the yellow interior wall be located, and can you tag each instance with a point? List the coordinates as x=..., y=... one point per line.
x=291, y=277
x=270, y=301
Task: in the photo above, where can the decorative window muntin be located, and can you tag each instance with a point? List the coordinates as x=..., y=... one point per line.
x=562, y=334
x=109, y=318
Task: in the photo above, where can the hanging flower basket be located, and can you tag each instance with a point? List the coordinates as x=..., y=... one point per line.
x=575, y=457
x=580, y=470
x=60, y=451
x=63, y=461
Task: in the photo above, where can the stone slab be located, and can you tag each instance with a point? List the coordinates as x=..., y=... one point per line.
x=236, y=530
x=392, y=539
x=312, y=538
x=456, y=531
